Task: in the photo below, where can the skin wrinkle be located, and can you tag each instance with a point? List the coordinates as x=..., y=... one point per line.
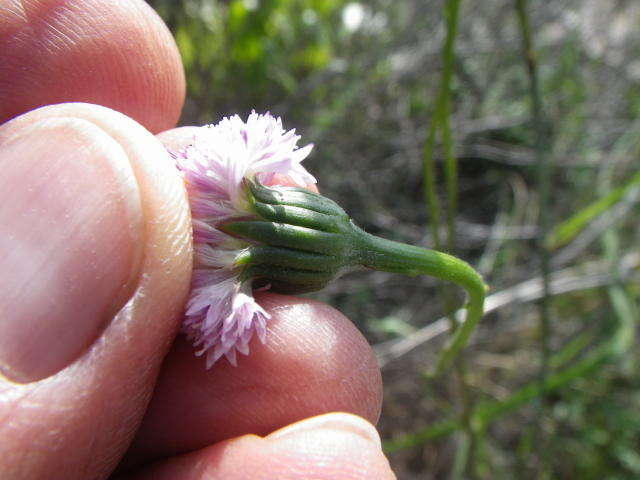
x=23, y=394
x=57, y=14
x=20, y=11
x=41, y=28
x=181, y=242
x=151, y=78
x=293, y=311
x=316, y=454
x=346, y=379
x=181, y=237
x=55, y=37
x=87, y=465
x=93, y=33
x=28, y=391
x=93, y=22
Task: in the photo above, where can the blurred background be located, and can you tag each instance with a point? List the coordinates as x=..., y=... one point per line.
x=527, y=113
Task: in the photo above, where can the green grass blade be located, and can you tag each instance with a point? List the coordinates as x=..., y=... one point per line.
x=568, y=229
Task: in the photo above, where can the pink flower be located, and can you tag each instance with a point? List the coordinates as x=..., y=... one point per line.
x=222, y=315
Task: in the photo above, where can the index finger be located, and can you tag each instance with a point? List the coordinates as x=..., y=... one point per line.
x=116, y=54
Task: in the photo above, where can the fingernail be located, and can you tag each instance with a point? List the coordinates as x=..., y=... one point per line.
x=345, y=422
x=70, y=242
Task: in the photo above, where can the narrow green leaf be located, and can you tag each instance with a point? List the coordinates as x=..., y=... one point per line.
x=568, y=229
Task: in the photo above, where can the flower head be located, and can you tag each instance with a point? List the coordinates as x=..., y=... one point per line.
x=222, y=315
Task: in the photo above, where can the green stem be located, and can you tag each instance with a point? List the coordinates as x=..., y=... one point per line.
x=429, y=178
x=390, y=256
x=450, y=164
x=543, y=168
x=441, y=119
x=465, y=455
x=543, y=173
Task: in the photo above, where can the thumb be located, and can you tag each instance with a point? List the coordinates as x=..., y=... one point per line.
x=95, y=260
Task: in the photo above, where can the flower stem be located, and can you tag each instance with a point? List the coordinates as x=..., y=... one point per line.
x=389, y=256
x=300, y=240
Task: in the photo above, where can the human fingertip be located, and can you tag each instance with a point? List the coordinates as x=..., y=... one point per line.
x=71, y=241
x=118, y=54
x=331, y=446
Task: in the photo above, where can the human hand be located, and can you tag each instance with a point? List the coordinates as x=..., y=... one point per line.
x=95, y=263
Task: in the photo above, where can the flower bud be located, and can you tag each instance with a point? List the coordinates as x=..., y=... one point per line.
x=300, y=239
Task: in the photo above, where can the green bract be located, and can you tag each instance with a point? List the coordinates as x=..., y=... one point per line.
x=301, y=239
